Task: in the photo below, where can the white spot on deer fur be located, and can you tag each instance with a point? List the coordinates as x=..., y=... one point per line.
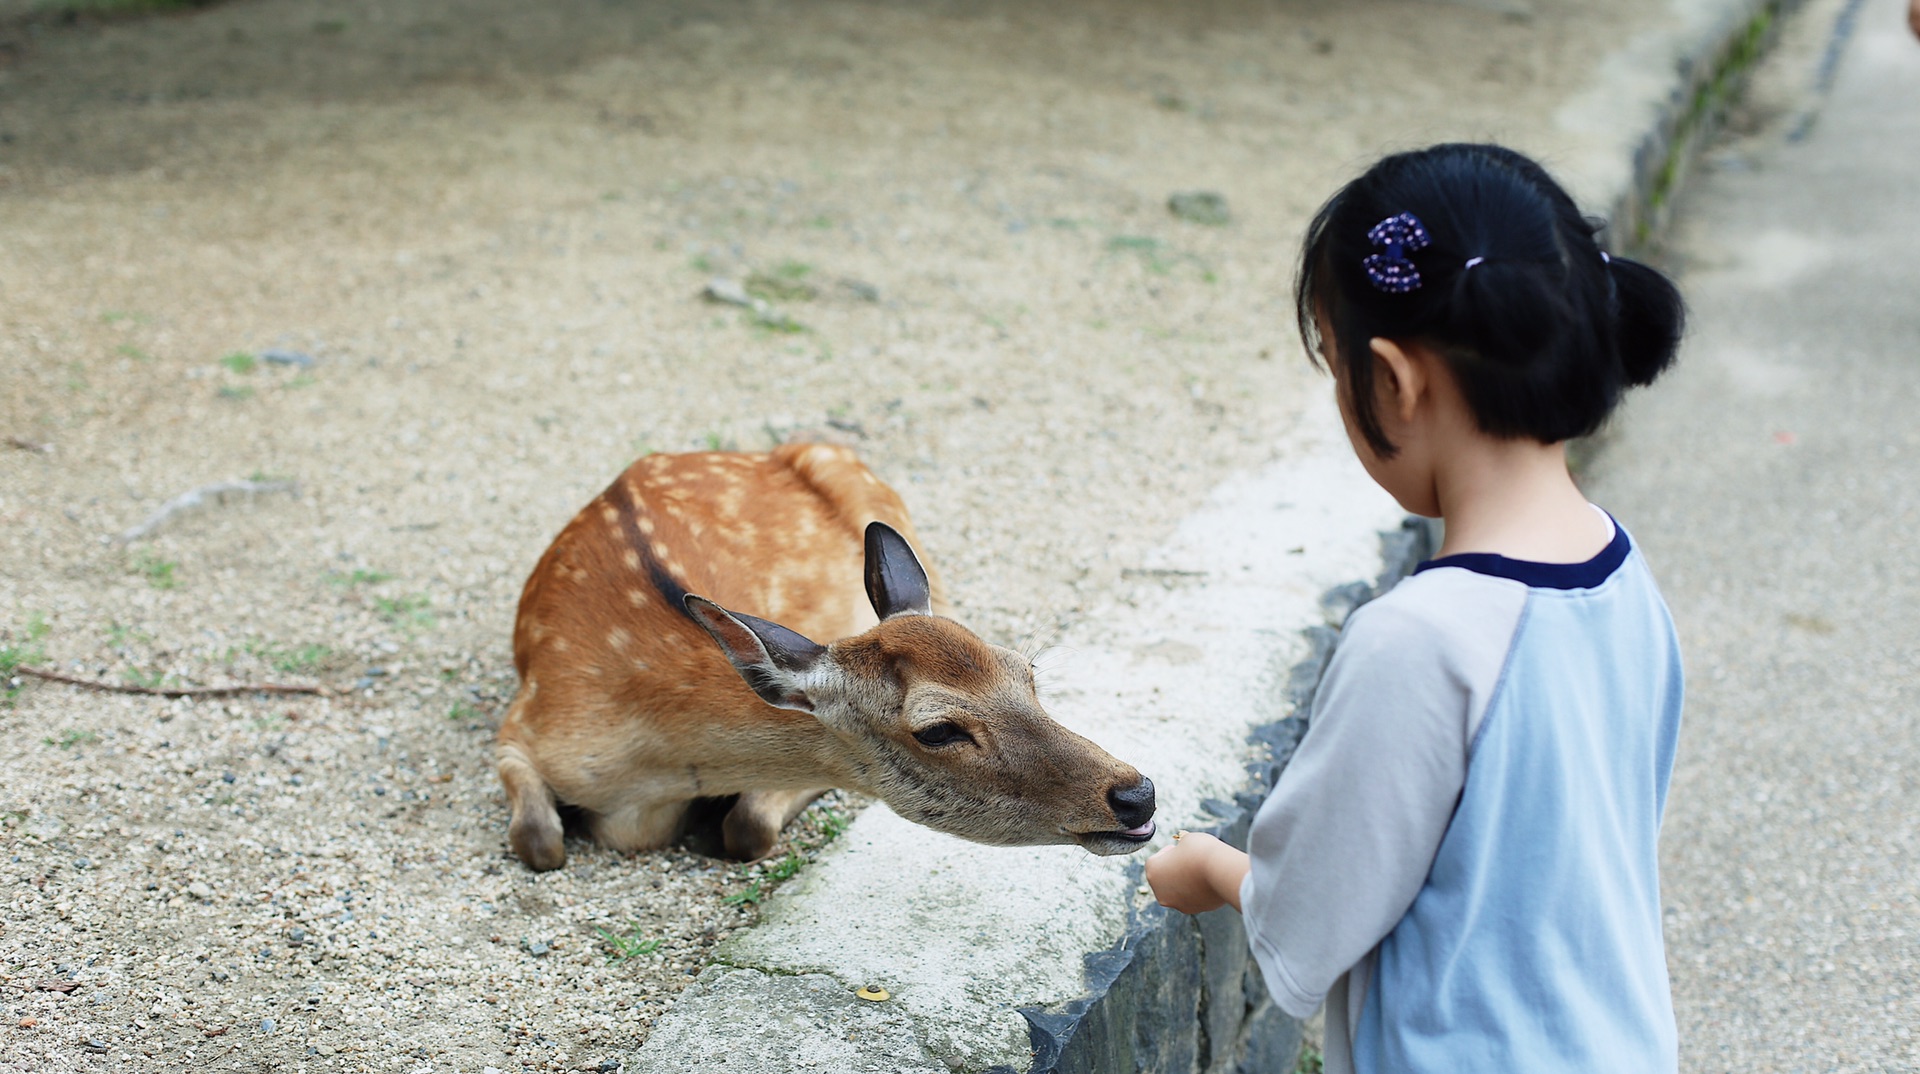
x=610, y=514
x=633, y=560
x=560, y=645
x=646, y=525
x=636, y=597
x=618, y=638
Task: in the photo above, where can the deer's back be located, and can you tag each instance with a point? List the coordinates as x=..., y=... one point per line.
x=601, y=635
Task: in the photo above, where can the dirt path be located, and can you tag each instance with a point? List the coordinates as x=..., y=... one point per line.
x=487, y=226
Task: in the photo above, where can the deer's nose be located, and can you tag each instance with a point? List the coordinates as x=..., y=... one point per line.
x=1132, y=806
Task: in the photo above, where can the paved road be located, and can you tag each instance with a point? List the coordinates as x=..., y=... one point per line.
x=1775, y=482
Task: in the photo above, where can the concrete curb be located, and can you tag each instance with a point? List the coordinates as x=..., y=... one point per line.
x=1004, y=960
x=1181, y=993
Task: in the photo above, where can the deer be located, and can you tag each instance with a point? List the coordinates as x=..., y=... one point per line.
x=665, y=645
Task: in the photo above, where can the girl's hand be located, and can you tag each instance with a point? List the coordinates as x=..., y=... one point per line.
x=1196, y=874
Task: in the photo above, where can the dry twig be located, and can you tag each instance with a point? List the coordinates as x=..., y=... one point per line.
x=217, y=492
x=36, y=446
x=171, y=691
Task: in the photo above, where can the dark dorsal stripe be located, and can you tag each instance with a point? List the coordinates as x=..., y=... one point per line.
x=620, y=498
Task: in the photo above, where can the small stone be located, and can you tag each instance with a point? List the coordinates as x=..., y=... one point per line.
x=861, y=290
x=45, y=826
x=266, y=1025
x=730, y=292
x=297, y=936
x=199, y=890
x=282, y=356
x=94, y=1046
x=538, y=948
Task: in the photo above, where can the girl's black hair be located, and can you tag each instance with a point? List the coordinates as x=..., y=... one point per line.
x=1542, y=332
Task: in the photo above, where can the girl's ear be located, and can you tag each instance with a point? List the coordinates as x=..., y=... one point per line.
x=1400, y=377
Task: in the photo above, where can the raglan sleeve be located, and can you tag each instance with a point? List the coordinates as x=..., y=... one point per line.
x=1345, y=841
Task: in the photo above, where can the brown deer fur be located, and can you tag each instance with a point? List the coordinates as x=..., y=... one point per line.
x=635, y=699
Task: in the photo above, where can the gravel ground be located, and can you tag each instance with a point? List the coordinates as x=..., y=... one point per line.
x=479, y=232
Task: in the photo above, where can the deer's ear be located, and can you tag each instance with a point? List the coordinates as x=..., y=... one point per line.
x=896, y=582
x=773, y=660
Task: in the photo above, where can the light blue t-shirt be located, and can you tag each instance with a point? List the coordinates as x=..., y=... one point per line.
x=1461, y=858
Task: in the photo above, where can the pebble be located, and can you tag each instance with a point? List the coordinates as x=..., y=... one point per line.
x=266, y=1025
x=199, y=890
x=95, y=1046
x=297, y=936
x=730, y=292
x=282, y=356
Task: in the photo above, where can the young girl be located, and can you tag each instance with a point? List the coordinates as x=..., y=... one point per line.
x=1460, y=859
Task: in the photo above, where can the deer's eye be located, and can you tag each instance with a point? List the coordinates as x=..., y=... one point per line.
x=941, y=734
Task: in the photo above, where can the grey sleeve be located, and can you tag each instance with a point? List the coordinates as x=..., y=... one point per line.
x=1345, y=841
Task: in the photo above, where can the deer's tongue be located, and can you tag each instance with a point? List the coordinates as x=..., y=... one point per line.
x=1141, y=832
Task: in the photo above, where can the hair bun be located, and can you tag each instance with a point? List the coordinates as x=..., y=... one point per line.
x=1650, y=317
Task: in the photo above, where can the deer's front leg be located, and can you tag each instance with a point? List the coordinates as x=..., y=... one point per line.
x=755, y=822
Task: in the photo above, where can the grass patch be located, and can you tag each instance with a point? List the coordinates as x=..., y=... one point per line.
x=407, y=613
x=355, y=578
x=27, y=649
x=296, y=658
x=764, y=878
x=622, y=946
x=240, y=362
x=159, y=572
x=235, y=392
x=71, y=738
x=1157, y=257
x=786, y=283
x=120, y=635
x=151, y=680
x=832, y=823
x=462, y=712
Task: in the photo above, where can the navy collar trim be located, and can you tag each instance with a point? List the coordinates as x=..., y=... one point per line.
x=1589, y=575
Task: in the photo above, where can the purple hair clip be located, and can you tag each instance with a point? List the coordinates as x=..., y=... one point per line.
x=1392, y=271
